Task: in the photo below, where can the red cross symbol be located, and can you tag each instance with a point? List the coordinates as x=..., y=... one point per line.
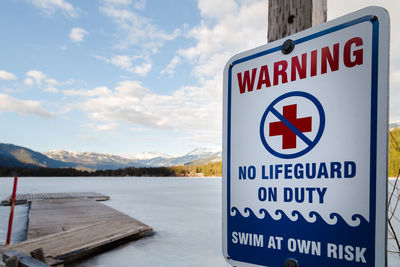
x=288, y=136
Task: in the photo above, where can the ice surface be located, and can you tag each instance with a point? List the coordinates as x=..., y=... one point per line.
x=185, y=214
x=19, y=225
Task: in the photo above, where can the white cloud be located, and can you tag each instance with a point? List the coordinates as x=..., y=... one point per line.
x=140, y=4
x=135, y=29
x=29, y=82
x=104, y=127
x=107, y=127
x=98, y=91
x=63, y=47
x=118, y=2
x=217, y=8
x=231, y=30
x=38, y=78
x=227, y=28
x=139, y=129
x=77, y=35
x=170, y=68
x=124, y=62
x=186, y=110
x=395, y=76
x=5, y=75
x=204, y=136
x=193, y=110
x=86, y=138
x=127, y=63
x=35, y=77
x=51, y=82
x=23, y=107
x=236, y=29
x=49, y=7
x=142, y=69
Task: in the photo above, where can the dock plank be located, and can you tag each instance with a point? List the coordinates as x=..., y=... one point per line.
x=70, y=228
x=81, y=240
x=21, y=199
x=57, y=215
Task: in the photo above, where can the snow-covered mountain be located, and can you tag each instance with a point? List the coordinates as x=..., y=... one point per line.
x=196, y=156
x=153, y=159
x=92, y=160
x=146, y=155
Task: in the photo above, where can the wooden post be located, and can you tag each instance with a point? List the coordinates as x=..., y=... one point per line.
x=14, y=258
x=39, y=255
x=11, y=262
x=286, y=17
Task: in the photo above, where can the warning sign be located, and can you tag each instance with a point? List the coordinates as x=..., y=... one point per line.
x=305, y=147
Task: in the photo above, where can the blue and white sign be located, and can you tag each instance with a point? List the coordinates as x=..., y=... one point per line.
x=305, y=147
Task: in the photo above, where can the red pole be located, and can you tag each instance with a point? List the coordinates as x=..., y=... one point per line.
x=11, y=218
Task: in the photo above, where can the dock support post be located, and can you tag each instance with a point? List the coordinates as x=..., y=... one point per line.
x=11, y=218
x=12, y=262
x=39, y=255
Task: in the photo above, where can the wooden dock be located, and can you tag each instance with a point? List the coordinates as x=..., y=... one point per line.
x=68, y=229
x=21, y=199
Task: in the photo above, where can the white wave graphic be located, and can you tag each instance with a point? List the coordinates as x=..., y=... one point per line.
x=294, y=215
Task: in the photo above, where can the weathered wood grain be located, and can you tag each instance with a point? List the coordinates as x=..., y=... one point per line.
x=286, y=17
x=68, y=229
x=57, y=215
x=21, y=199
x=80, y=240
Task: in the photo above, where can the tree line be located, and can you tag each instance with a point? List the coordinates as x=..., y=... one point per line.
x=394, y=152
x=209, y=169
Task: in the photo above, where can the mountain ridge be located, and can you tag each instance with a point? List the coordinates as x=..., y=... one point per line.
x=144, y=159
x=18, y=156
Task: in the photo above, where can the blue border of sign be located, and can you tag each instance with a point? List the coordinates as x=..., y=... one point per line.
x=374, y=109
x=311, y=144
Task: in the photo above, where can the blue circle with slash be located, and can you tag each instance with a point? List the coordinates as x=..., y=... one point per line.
x=310, y=143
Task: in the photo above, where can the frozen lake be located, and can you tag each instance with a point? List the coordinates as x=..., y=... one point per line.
x=185, y=214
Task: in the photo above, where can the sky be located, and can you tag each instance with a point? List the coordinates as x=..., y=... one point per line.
x=129, y=76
